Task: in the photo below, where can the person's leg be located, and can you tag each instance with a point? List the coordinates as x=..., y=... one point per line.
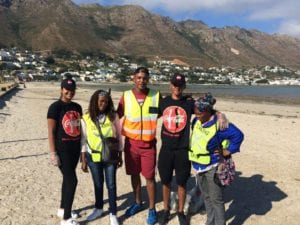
x=137, y=205
x=63, y=191
x=213, y=198
x=151, y=190
x=69, y=161
x=136, y=187
x=110, y=179
x=97, y=176
x=203, y=185
x=181, y=197
x=133, y=168
x=148, y=164
x=216, y=197
x=182, y=167
x=165, y=170
x=166, y=188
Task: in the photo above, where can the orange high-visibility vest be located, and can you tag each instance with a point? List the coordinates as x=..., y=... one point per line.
x=140, y=121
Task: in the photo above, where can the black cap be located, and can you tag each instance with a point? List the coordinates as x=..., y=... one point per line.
x=178, y=80
x=68, y=84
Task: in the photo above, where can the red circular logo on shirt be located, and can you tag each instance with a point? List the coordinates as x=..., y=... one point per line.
x=174, y=119
x=71, y=123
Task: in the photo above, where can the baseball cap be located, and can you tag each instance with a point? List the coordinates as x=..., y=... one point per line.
x=205, y=103
x=68, y=84
x=178, y=80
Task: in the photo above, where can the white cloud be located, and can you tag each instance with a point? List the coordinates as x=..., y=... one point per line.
x=290, y=27
x=286, y=13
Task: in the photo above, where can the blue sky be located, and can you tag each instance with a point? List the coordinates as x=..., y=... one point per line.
x=270, y=16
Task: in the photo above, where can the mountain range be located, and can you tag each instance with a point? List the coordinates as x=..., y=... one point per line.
x=46, y=25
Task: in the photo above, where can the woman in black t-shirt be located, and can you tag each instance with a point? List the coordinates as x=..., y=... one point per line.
x=64, y=141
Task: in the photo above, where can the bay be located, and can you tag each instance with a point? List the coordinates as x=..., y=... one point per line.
x=275, y=94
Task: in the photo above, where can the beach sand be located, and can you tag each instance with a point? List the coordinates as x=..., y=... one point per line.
x=265, y=192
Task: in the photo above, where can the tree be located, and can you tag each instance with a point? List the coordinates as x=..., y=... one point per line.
x=125, y=73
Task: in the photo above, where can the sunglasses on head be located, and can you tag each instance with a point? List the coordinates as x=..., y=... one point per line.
x=103, y=93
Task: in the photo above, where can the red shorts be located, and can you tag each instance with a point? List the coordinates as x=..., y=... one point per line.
x=140, y=157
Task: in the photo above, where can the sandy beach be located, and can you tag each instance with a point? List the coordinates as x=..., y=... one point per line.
x=266, y=190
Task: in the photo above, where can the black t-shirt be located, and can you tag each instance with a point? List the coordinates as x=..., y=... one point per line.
x=176, y=116
x=67, y=117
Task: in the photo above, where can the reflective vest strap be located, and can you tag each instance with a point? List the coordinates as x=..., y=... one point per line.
x=139, y=131
x=129, y=103
x=154, y=98
x=145, y=118
x=200, y=154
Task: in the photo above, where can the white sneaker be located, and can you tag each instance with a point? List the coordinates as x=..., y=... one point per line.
x=60, y=214
x=69, y=222
x=113, y=219
x=95, y=214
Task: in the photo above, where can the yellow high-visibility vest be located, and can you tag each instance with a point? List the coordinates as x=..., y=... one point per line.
x=94, y=140
x=198, y=143
x=140, y=121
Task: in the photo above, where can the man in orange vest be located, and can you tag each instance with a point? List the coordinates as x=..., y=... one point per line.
x=139, y=109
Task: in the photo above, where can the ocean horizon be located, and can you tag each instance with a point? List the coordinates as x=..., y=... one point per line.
x=275, y=94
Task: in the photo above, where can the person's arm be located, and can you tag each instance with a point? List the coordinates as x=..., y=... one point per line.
x=235, y=137
x=222, y=120
x=120, y=109
x=51, y=138
x=83, y=147
x=159, y=111
x=117, y=126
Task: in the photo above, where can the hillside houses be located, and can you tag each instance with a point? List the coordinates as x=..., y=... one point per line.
x=92, y=69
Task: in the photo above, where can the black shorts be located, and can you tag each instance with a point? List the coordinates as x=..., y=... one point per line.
x=177, y=160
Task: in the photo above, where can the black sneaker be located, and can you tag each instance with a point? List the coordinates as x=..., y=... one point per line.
x=165, y=217
x=182, y=218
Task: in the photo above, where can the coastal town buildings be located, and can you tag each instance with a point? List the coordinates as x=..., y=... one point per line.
x=34, y=66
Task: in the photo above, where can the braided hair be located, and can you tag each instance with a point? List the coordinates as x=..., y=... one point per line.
x=93, y=109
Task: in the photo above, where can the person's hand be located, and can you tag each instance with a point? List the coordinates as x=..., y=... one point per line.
x=84, y=166
x=194, y=172
x=223, y=121
x=83, y=162
x=120, y=160
x=55, y=161
x=226, y=152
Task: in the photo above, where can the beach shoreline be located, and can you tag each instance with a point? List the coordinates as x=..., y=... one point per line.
x=266, y=189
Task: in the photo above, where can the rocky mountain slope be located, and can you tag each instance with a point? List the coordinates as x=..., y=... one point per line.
x=61, y=24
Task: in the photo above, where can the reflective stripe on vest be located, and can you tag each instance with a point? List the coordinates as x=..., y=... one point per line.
x=94, y=140
x=198, y=144
x=139, y=123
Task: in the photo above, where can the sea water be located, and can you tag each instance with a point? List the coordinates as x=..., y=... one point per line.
x=277, y=94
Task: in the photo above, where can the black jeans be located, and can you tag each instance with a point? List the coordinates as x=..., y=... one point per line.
x=69, y=160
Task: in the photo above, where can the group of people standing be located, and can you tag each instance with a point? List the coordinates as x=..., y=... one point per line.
x=72, y=134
